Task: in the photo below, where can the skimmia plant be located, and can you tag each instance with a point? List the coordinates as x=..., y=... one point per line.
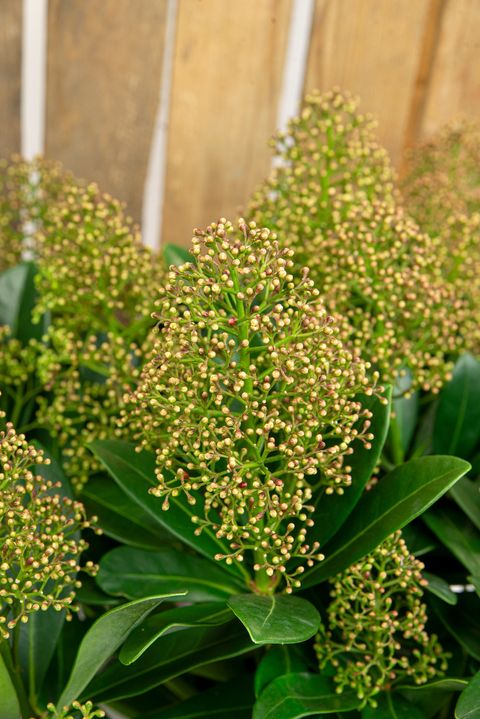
x=331, y=198
x=250, y=400
x=375, y=632
x=66, y=369
x=441, y=188
x=226, y=421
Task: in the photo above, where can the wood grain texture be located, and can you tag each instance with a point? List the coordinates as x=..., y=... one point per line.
x=228, y=69
x=428, y=53
x=371, y=48
x=104, y=69
x=10, y=75
x=454, y=88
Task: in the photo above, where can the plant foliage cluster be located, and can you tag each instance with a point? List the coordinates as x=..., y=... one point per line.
x=246, y=474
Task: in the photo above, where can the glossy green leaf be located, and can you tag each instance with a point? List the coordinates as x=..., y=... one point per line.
x=9, y=706
x=231, y=700
x=277, y=661
x=172, y=655
x=457, y=533
x=302, y=695
x=441, y=588
x=397, y=499
x=134, y=472
x=276, y=619
x=449, y=684
x=433, y=697
x=209, y=614
x=176, y=255
x=462, y=621
x=457, y=425
x=119, y=517
x=468, y=705
x=476, y=583
x=392, y=706
x=17, y=299
x=38, y=640
x=405, y=410
x=467, y=495
x=103, y=639
x=332, y=510
x=136, y=573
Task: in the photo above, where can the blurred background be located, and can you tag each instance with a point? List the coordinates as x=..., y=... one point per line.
x=169, y=104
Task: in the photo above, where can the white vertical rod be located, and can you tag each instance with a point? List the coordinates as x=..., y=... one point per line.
x=34, y=71
x=154, y=190
x=296, y=58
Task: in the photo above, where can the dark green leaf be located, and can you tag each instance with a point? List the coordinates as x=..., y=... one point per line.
x=392, y=706
x=38, y=640
x=457, y=425
x=136, y=573
x=120, y=518
x=302, y=695
x=462, y=621
x=232, y=700
x=431, y=698
x=175, y=255
x=469, y=702
x=279, y=660
x=405, y=410
x=91, y=594
x=457, y=534
x=397, y=499
x=332, y=510
x=449, y=684
x=9, y=706
x=419, y=539
x=17, y=299
x=276, y=619
x=172, y=655
x=476, y=583
x=134, y=472
x=210, y=614
x=467, y=495
x=103, y=639
x=441, y=588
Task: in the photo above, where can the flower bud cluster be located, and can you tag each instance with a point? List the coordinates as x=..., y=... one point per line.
x=442, y=192
x=250, y=400
x=27, y=189
x=375, y=634
x=331, y=199
x=400, y=312
x=86, y=380
x=443, y=177
x=94, y=273
x=39, y=544
x=75, y=711
x=94, y=280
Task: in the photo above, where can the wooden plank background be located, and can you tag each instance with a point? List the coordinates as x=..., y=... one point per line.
x=103, y=80
x=10, y=72
x=226, y=83
x=415, y=64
